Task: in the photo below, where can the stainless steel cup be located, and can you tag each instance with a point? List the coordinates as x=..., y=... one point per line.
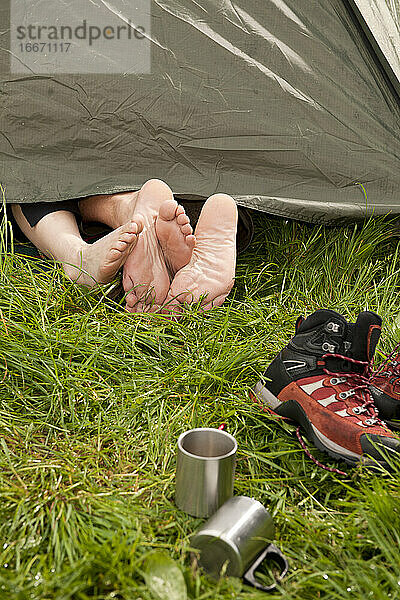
x=236, y=540
x=205, y=470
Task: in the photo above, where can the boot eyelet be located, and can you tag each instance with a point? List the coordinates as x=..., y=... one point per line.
x=328, y=347
x=370, y=421
x=343, y=395
x=357, y=410
x=332, y=327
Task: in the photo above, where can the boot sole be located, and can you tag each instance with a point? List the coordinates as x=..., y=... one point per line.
x=291, y=409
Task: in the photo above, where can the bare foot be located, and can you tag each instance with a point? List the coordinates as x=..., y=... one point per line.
x=100, y=262
x=175, y=235
x=209, y=276
x=145, y=277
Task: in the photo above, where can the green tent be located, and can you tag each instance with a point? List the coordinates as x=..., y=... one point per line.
x=290, y=106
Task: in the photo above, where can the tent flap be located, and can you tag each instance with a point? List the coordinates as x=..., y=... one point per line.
x=282, y=103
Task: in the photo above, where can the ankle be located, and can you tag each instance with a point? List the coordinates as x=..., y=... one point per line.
x=76, y=264
x=122, y=208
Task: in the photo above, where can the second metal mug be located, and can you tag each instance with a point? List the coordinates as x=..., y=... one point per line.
x=237, y=538
x=205, y=470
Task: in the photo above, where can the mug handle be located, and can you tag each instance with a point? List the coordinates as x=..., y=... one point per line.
x=270, y=551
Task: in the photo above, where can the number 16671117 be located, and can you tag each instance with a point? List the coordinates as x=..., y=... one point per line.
x=45, y=47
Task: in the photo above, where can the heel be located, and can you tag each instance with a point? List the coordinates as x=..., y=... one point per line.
x=266, y=397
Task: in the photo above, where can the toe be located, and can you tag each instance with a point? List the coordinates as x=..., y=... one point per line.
x=139, y=307
x=182, y=219
x=191, y=241
x=132, y=227
x=153, y=308
x=167, y=210
x=127, y=238
x=138, y=221
x=206, y=307
x=187, y=229
x=131, y=299
x=219, y=300
x=185, y=297
x=120, y=247
x=172, y=309
x=131, y=302
x=147, y=295
x=115, y=255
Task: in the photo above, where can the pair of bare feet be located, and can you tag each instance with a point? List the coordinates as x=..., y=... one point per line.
x=164, y=264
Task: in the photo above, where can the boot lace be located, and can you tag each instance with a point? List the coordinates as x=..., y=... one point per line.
x=391, y=364
x=359, y=392
x=268, y=410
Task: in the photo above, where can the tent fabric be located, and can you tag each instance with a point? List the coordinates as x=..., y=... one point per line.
x=380, y=22
x=281, y=103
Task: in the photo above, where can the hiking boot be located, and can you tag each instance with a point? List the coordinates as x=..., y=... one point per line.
x=385, y=390
x=318, y=380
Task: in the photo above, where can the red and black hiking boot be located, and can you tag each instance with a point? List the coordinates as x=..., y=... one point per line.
x=385, y=390
x=320, y=381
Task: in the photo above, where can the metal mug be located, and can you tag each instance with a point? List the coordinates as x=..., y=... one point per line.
x=205, y=470
x=237, y=537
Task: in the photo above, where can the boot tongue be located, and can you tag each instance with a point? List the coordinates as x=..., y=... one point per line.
x=356, y=340
x=364, y=335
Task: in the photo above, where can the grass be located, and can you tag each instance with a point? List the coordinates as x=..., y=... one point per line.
x=93, y=401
